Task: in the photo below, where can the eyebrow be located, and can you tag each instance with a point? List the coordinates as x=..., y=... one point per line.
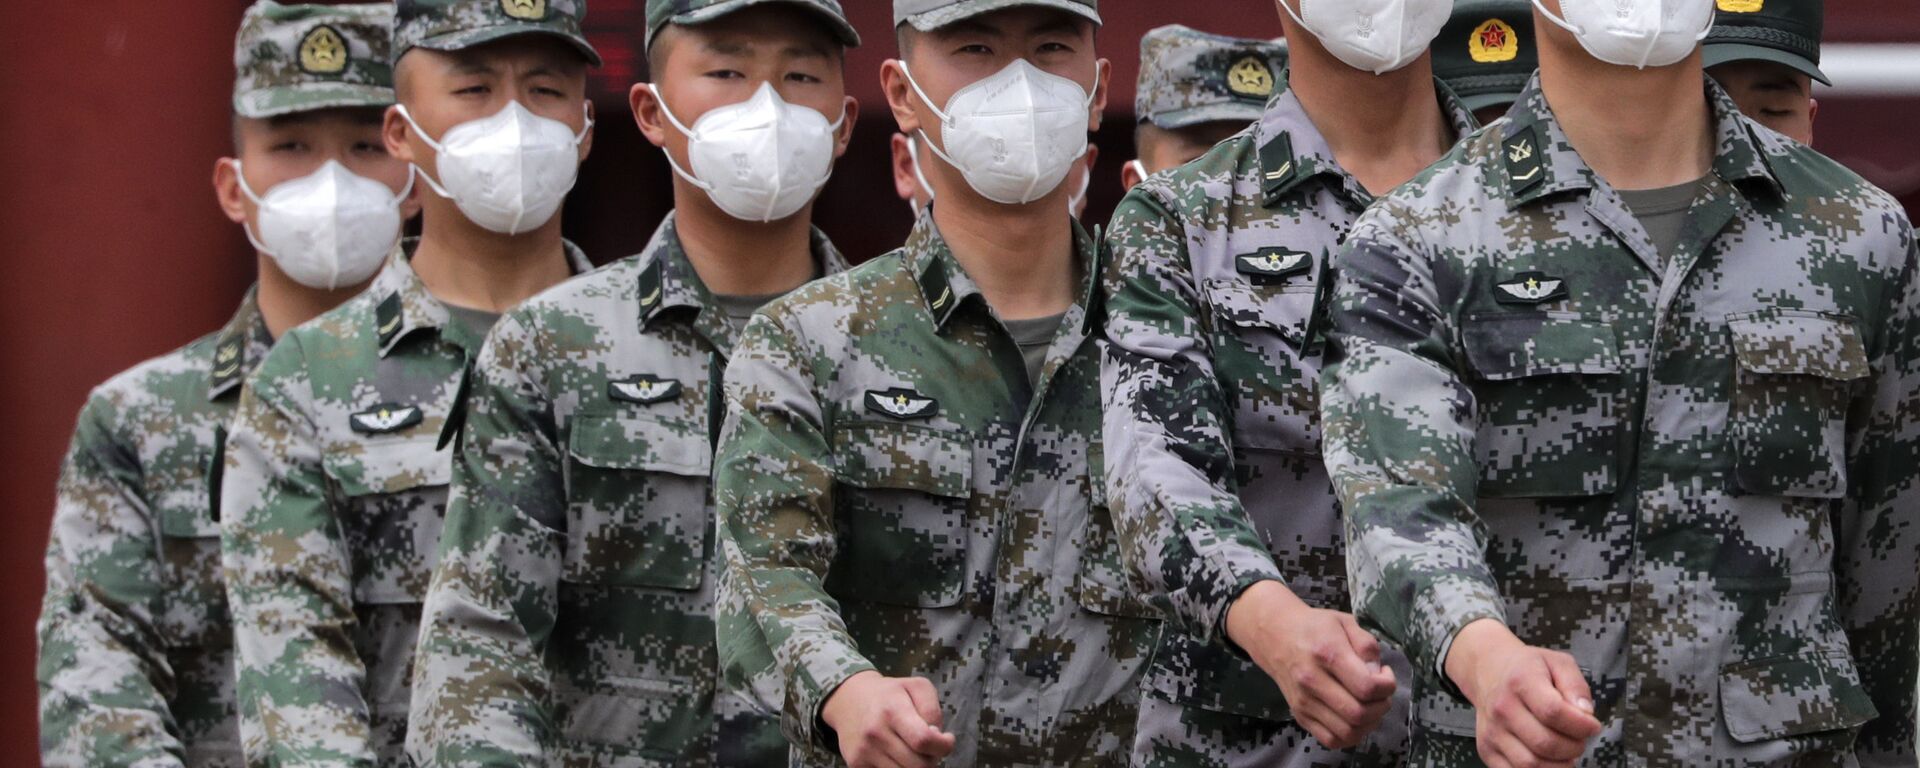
x=475, y=66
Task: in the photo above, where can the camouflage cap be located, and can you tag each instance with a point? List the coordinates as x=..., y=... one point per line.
x=296, y=58
x=1487, y=52
x=1188, y=77
x=660, y=13
x=929, y=15
x=1781, y=31
x=452, y=25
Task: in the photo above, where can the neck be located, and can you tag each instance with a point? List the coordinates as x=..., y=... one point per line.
x=1021, y=256
x=286, y=304
x=1638, y=129
x=742, y=258
x=466, y=265
x=1382, y=129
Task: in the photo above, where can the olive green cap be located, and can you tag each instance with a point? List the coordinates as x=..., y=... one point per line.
x=1487, y=51
x=1781, y=31
x=298, y=58
x=689, y=13
x=1188, y=77
x=929, y=15
x=452, y=25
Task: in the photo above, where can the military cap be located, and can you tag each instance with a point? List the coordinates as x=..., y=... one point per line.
x=689, y=13
x=929, y=15
x=1189, y=77
x=1781, y=31
x=295, y=58
x=452, y=25
x=1487, y=51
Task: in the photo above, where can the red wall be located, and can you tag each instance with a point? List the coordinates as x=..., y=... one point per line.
x=113, y=111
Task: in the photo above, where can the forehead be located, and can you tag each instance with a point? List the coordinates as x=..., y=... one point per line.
x=768, y=28
x=1016, y=23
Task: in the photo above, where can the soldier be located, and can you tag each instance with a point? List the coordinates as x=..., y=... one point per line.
x=907, y=481
x=1196, y=90
x=136, y=659
x=1212, y=421
x=1634, y=488
x=1486, y=53
x=570, y=620
x=1766, y=53
x=336, y=474
x=910, y=182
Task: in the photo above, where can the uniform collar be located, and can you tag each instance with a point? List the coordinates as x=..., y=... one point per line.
x=668, y=282
x=945, y=287
x=242, y=343
x=1292, y=150
x=1536, y=159
x=406, y=307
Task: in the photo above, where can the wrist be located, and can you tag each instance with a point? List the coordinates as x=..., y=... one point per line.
x=1478, y=640
x=1259, y=603
x=844, y=697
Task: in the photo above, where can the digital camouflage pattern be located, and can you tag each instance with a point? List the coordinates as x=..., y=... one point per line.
x=1188, y=77
x=330, y=516
x=895, y=495
x=929, y=15
x=297, y=58
x=1695, y=473
x=660, y=13
x=1212, y=423
x=570, y=620
x=452, y=25
x=136, y=655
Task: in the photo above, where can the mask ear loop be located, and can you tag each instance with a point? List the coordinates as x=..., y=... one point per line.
x=937, y=112
x=415, y=167
x=913, y=153
x=258, y=204
x=684, y=131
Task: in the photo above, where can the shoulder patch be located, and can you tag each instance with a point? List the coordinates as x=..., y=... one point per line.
x=384, y=419
x=1526, y=167
x=902, y=404
x=1271, y=264
x=643, y=389
x=1530, y=288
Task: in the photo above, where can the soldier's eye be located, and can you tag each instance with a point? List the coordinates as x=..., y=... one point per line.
x=472, y=90
x=976, y=48
x=1055, y=48
x=727, y=74
x=801, y=77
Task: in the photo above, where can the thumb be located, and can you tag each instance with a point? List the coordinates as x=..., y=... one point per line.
x=926, y=700
x=1363, y=642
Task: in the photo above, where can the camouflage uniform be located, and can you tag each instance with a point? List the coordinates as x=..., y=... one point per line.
x=331, y=510
x=136, y=659
x=1695, y=474
x=896, y=496
x=571, y=613
x=1213, y=429
x=1487, y=51
x=1189, y=77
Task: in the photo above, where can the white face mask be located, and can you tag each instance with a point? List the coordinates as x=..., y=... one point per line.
x=509, y=172
x=762, y=159
x=913, y=153
x=1014, y=135
x=1635, y=33
x=328, y=229
x=1378, y=36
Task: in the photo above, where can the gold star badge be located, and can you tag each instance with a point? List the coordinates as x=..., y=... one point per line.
x=1740, y=6
x=323, y=51
x=525, y=10
x=1250, y=77
x=1494, y=41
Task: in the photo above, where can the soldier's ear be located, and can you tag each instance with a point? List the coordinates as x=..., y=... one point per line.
x=1103, y=72
x=645, y=104
x=393, y=132
x=852, y=111
x=900, y=96
x=226, y=189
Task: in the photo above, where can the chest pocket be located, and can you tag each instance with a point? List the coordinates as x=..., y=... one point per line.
x=903, y=514
x=637, y=512
x=193, y=608
x=1550, y=402
x=1260, y=330
x=396, y=489
x=1103, y=583
x=1794, y=375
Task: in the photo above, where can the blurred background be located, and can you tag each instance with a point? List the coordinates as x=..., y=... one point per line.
x=112, y=113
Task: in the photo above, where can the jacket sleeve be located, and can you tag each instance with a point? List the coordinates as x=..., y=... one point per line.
x=103, y=672
x=1167, y=428
x=482, y=692
x=773, y=483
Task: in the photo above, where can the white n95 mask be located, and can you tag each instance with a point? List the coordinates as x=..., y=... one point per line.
x=509, y=172
x=328, y=229
x=1635, y=33
x=1378, y=36
x=1013, y=135
x=762, y=159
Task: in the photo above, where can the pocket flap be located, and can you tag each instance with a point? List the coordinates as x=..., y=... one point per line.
x=390, y=465
x=903, y=456
x=629, y=442
x=1503, y=347
x=1792, y=695
x=1284, y=308
x=1799, y=342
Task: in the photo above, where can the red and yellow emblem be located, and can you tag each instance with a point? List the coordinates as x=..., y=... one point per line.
x=1740, y=6
x=1494, y=41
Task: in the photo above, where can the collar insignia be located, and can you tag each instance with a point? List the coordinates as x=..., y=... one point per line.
x=1530, y=288
x=1525, y=166
x=1277, y=167
x=644, y=389
x=902, y=404
x=384, y=419
x=387, y=317
x=1273, y=263
x=226, y=360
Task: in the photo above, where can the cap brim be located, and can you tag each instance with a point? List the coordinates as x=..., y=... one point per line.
x=1240, y=112
x=961, y=11
x=842, y=28
x=309, y=97
x=465, y=39
x=1715, y=54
